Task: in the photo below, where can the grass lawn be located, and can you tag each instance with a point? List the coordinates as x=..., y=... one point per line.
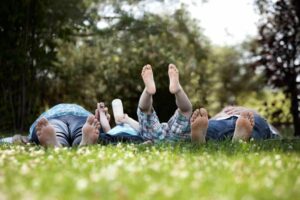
x=255, y=170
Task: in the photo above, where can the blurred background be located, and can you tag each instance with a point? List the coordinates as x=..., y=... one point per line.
x=233, y=52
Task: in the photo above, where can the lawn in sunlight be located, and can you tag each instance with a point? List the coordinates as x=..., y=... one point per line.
x=217, y=170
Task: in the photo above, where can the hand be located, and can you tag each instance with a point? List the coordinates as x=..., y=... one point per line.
x=19, y=139
x=122, y=119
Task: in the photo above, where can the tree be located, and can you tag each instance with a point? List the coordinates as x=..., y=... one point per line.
x=231, y=78
x=279, y=51
x=116, y=54
x=28, y=33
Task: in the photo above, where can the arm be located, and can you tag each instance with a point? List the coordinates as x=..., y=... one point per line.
x=233, y=110
x=128, y=120
x=237, y=110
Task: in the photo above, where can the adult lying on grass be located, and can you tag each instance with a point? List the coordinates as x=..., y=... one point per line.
x=232, y=122
x=72, y=125
x=238, y=123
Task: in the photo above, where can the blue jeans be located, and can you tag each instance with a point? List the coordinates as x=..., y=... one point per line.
x=222, y=129
x=68, y=130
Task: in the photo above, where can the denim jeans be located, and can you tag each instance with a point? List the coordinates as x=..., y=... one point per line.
x=68, y=130
x=222, y=129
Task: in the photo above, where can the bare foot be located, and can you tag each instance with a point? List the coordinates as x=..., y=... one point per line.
x=199, y=124
x=90, y=131
x=46, y=134
x=174, y=79
x=147, y=75
x=243, y=126
x=103, y=117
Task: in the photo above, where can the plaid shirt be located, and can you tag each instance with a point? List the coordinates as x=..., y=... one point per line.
x=177, y=128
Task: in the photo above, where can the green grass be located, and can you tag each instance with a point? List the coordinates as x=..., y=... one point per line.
x=255, y=170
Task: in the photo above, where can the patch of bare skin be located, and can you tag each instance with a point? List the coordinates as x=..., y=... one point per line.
x=90, y=131
x=173, y=73
x=199, y=125
x=46, y=134
x=244, y=126
x=147, y=75
x=103, y=117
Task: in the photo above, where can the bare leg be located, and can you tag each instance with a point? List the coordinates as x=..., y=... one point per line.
x=46, y=134
x=199, y=124
x=243, y=126
x=90, y=131
x=182, y=101
x=145, y=102
x=101, y=111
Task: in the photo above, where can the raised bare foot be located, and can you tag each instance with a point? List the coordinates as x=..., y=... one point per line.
x=243, y=126
x=46, y=134
x=103, y=117
x=147, y=75
x=90, y=131
x=174, y=79
x=199, y=124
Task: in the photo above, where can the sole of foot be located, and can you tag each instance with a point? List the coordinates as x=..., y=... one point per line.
x=243, y=127
x=90, y=131
x=199, y=125
x=173, y=73
x=46, y=134
x=147, y=75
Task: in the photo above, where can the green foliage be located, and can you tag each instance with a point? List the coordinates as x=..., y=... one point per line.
x=28, y=33
x=231, y=78
x=58, y=51
x=278, y=52
x=273, y=105
x=108, y=65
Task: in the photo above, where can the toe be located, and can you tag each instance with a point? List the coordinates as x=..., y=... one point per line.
x=203, y=112
x=173, y=67
x=194, y=115
x=244, y=114
x=42, y=121
x=95, y=122
x=98, y=125
x=252, y=119
x=90, y=119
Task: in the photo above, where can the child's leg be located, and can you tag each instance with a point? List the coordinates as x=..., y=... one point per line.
x=145, y=102
x=102, y=116
x=182, y=101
